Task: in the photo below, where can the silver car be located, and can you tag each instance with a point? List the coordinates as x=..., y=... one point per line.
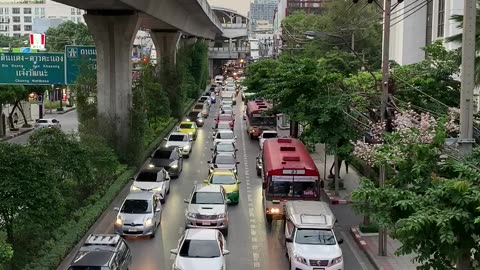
x=224, y=135
x=47, y=123
x=152, y=179
x=139, y=215
x=207, y=208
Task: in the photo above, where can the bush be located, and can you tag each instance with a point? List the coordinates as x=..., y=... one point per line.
x=371, y=228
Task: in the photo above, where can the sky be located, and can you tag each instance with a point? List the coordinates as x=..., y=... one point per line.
x=242, y=6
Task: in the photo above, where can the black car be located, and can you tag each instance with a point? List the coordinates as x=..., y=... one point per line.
x=226, y=161
x=195, y=117
x=224, y=147
x=168, y=158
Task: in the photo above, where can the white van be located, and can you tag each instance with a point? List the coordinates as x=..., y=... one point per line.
x=309, y=237
x=219, y=79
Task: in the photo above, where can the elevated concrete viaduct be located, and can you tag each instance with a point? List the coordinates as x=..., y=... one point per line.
x=114, y=24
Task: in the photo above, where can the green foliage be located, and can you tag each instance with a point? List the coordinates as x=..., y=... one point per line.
x=85, y=90
x=67, y=33
x=138, y=123
x=13, y=42
x=6, y=251
x=431, y=84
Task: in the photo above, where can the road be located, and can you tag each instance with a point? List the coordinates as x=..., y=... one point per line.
x=252, y=243
x=69, y=122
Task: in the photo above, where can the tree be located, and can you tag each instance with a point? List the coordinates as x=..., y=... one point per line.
x=458, y=19
x=67, y=33
x=6, y=251
x=28, y=190
x=433, y=194
x=14, y=94
x=13, y=42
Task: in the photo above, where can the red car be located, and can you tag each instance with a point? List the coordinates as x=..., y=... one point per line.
x=225, y=118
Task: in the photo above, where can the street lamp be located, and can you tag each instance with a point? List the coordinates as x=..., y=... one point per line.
x=313, y=35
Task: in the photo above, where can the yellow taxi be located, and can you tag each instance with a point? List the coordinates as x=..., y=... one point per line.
x=229, y=181
x=188, y=127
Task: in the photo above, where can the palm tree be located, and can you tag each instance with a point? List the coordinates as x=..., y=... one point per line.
x=458, y=40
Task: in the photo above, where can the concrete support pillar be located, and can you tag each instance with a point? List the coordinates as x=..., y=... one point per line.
x=166, y=45
x=229, y=45
x=114, y=35
x=189, y=41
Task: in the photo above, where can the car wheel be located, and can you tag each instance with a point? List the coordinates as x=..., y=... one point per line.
x=168, y=191
x=162, y=200
x=153, y=234
x=251, y=136
x=187, y=156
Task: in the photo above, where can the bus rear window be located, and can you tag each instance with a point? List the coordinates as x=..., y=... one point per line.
x=292, y=189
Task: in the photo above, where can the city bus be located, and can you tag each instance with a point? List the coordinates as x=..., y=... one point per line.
x=259, y=118
x=288, y=173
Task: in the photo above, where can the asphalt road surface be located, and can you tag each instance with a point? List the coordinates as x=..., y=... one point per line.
x=69, y=122
x=252, y=243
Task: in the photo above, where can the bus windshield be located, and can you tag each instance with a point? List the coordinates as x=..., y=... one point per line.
x=292, y=189
x=267, y=121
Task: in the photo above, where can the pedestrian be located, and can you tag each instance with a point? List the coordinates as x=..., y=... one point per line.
x=15, y=119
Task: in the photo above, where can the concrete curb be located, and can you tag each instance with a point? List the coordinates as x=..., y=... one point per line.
x=9, y=137
x=333, y=199
x=362, y=244
x=62, y=112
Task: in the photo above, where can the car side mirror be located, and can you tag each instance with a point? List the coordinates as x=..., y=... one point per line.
x=238, y=162
x=264, y=185
x=174, y=251
x=236, y=150
x=131, y=178
x=158, y=210
x=340, y=241
x=209, y=162
x=288, y=240
x=235, y=137
x=205, y=181
x=226, y=252
x=165, y=139
x=186, y=200
x=211, y=149
x=116, y=209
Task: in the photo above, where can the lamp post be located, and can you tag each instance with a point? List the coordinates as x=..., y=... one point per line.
x=313, y=34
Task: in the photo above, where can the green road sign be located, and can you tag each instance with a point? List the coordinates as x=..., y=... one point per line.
x=75, y=56
x=32, y=68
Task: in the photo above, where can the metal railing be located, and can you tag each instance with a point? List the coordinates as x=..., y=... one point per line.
x=234, y=25
x=227, y=49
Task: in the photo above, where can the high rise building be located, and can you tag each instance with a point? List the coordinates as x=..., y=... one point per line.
x=262, y=10
x=17, y=16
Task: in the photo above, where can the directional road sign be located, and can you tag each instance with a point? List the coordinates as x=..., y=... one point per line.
x=32, y=68
x=76, y=57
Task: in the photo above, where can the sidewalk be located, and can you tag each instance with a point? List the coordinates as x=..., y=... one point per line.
x=368, y=243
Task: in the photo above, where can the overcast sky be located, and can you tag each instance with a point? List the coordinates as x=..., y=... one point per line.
x=242, y=6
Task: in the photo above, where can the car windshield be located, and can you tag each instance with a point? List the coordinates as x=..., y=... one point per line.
x=198, y=107
x=223, y=126
x=225, y=135
x=41, y=121
x=186, y=126
x=162, y=154
x=227, y=111
x=207, y=198
x=314, y=237
x=224, y=159
x=225, y=147
x=146, y=177
x=88, y=268
x=292, y=189
x=203, y=98
x=192, y=116
x=136, y=207
x=225, y=117
x=267, y=135
x=227, y=108
x=200, y=249
x=178, y=138
x=223, y=179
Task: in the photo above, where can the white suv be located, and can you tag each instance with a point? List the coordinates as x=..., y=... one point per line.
x=309, y=237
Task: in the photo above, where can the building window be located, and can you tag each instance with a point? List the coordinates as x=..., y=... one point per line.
x=16, y=19
x=72, y=11
x=27, y=19
x=27, y=10
x=17, y=27
x=441, y=18
x=36, y=11
x=17, y=35
x=15, y=10
x=42, y=12
x=6, y=11
x=79, y=11
x=27, y=27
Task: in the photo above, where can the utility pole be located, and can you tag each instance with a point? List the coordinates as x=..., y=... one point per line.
x=382, y=236
x=468, y=83
x=353, y=40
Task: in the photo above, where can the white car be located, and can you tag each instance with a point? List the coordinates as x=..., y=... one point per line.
x=48, y=123
x=200, y=249
x=219, y=79
x=267, y=134
x=182, y=140
x=152, y=179
x=224, y=135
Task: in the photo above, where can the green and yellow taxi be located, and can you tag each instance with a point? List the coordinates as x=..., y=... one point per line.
x=228, y=180
x=188, y=127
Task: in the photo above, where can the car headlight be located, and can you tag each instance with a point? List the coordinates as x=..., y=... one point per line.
x=190, y=133
x=337, y=260
x=158, y=188
x=200, y=120
x=119, y=221
x=300, y=259
x=174, y=165
x=148, y=222
x=151, y=166
x=134, y=188
x=186, y=147
x=223, y=215
x=235, y=170
x=191, y=215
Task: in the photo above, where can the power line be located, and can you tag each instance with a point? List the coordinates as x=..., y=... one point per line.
x=405, y=7
x=404, y=18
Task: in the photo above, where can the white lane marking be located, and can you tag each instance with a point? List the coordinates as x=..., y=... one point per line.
x=254, y=239
x=252, y=226
x=256, y=256
x=252, y=220
x=253, y=232
x=249, y=197
x=254, y=247
x=248, y=182
x=180, y=230
x=354, y=251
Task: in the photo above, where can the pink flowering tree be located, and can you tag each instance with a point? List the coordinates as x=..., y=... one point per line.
x=431, y=198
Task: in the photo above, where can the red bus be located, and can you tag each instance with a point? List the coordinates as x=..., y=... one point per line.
x=259, y=118
x=288, y=173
